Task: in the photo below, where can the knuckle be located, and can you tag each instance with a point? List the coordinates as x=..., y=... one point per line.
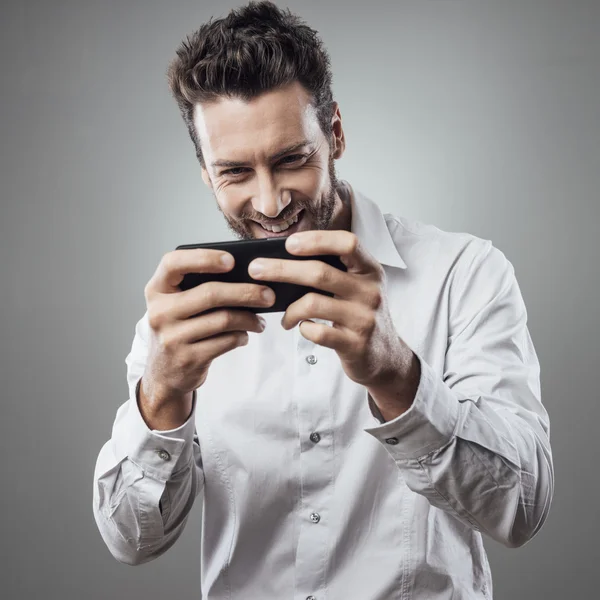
x=374, y=299
x=319, y=335
x=167, y=342
x=226, y=319
x=159, y=311
x=353, y=243
x=186, y=360
x=367, y=325
x=252, y=294
x=156, y=319
x=209, y=293
x=323, y=273
x=241, y=337
x=377, y=299
x=168, y=261
x=312, y=301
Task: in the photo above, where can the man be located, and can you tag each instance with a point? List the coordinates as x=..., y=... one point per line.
x=355, y=446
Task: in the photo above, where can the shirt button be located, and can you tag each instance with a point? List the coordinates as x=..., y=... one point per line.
x=392, y=441
x=315, y=437
x=315, y=517
x=311, y=359
x=164, y=454
x=311, y=598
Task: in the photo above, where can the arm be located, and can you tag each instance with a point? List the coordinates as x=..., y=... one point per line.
x=475, y=443
x=145, y=481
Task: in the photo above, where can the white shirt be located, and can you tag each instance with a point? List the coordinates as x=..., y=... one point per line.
x=308, y=494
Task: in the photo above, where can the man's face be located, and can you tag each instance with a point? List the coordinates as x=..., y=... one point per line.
x=268, y=161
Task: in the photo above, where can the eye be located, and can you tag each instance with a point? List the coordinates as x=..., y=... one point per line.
x=234, y=172
x=291, y=159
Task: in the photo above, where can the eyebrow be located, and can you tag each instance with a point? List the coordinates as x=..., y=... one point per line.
x=273, y=157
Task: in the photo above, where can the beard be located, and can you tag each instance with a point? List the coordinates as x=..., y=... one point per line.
x=319, y=214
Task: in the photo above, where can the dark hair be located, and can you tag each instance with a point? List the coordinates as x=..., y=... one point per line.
x=254, y=49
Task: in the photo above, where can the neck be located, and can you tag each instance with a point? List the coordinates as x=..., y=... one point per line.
x=343, y=214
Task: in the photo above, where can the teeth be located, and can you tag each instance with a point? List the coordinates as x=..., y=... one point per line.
x=279, y=228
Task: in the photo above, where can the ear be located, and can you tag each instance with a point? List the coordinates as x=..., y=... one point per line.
x=206, y=177
x=337, y=133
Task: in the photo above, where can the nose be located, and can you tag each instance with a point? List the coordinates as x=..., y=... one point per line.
x=270, y=199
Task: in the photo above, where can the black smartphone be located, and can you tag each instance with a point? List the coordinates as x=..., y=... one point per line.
x=244, y=252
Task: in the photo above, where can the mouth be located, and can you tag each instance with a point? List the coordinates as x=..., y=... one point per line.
x=282, y=230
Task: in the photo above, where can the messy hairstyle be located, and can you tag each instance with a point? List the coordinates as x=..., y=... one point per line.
x=254, y=49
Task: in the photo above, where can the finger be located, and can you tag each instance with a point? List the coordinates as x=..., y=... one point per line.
x=342, y=243
x=215, y=323
x=175, y=264
x=313, y=273
x=324, y=335
x=218, y=294
x=344, y=314
x=208, y=349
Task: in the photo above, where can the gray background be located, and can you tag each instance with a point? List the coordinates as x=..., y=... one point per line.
x=475, y=116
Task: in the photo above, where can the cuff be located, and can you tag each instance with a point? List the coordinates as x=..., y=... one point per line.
x=158, y=453
x=428, y=425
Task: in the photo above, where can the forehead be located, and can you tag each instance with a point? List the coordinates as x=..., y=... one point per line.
x=233, y=129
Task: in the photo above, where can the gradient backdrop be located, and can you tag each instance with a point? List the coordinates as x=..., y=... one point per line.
x=475, y=116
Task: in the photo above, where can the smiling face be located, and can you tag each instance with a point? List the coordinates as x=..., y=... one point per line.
x=268, y=161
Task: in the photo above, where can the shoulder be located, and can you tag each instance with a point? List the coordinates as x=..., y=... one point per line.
x=457, y=253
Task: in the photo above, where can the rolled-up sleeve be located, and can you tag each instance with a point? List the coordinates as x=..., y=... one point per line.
x=475, y=441
x=145, y=481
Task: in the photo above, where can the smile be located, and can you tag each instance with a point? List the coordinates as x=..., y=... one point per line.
x=288, y=226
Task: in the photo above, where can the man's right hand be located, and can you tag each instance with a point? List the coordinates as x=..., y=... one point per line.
x=184, y=341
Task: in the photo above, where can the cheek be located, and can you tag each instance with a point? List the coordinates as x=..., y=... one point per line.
x=310, y=182
x=231, y=199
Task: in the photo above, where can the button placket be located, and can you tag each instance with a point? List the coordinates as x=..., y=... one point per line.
x=311, y=395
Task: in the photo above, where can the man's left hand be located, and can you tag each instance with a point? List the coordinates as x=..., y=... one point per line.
x=362, y=332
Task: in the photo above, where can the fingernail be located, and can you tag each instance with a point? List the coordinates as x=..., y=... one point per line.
x=262, y=322
x=227, y=260
x=268, y=295
x=293, y=243
x=255, y=268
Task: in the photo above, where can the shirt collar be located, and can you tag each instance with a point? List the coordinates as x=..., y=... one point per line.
x=368, y=223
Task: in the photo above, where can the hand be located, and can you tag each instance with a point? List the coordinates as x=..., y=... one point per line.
x=184, y=341
x=362, y=332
